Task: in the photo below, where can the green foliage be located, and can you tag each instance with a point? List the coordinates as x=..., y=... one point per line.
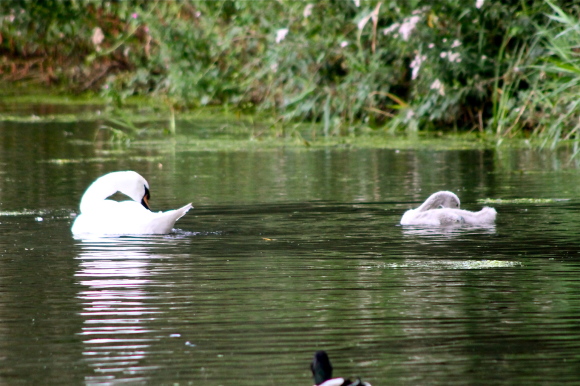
x=554, y=99
x=502, y=68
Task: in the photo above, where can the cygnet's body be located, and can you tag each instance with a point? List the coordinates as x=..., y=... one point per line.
x=442, y=208
x=107, y=217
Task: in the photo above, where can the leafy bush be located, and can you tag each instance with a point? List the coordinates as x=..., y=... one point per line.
x=398, y=65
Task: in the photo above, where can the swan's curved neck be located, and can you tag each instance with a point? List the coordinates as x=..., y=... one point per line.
x=439, y=199
x=96, y=193
x=129, y=183
x=430, y=203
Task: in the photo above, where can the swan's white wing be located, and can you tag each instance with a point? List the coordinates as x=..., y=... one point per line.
x=486, y=216
x=163, y=222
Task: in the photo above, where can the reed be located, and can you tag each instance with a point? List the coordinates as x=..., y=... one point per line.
x=555, y=103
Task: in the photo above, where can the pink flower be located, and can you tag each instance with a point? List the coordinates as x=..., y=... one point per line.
x=408, y=26
x=437, y=85
x=97, y=37
x=307, y=10
x=134, y=15
x=416, y=65
x=281, y=34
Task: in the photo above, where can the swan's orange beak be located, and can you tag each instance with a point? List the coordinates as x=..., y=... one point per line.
x=145, y=199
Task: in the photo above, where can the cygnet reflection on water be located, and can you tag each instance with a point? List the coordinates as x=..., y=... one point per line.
x=442, y=208
x=441, y=233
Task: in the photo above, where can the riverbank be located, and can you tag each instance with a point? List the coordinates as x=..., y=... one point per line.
x=504, y=70
x=142, y=121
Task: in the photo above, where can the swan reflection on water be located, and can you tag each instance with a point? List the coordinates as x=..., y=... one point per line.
x=117, y=306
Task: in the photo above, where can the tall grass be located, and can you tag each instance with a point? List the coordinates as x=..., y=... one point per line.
x=556, y=105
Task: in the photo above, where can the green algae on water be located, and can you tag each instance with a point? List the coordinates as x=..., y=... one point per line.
x=455, y=264
x=520, y=200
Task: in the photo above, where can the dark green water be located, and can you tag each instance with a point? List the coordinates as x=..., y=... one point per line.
x=287, y=251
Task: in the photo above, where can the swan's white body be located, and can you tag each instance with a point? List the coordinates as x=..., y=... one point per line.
x=442, y=208
x=107, y=217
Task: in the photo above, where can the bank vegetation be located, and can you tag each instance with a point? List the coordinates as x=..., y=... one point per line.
x=499, y=68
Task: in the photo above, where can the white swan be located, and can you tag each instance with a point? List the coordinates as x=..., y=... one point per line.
x=107, y=217
x=442, y=208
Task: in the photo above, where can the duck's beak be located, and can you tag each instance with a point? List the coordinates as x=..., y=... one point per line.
x=145, y=199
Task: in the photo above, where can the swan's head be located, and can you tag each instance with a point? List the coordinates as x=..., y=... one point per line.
x=442, y=199
x=321, y=367
x=133, y=185
x=145, y=199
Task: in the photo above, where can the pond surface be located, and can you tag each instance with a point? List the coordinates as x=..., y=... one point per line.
x=287, y=251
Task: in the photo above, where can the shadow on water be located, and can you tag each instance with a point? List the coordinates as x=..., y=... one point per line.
x=287, y=251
